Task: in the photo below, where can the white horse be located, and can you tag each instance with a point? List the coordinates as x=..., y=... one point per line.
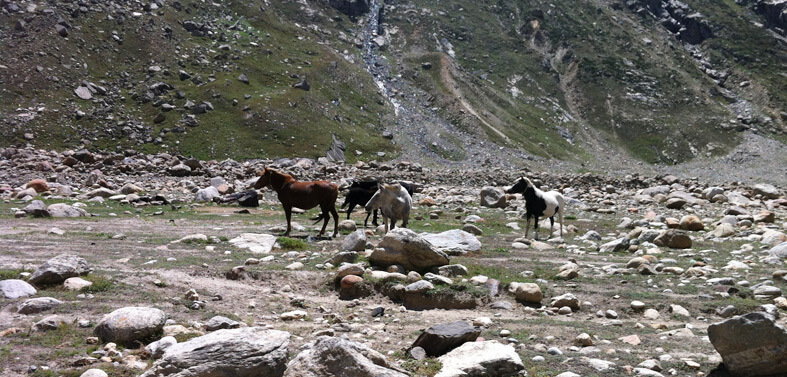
x=539, y=204
x=394, y=202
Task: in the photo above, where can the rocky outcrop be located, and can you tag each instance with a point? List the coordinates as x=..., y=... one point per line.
x=751, y=345
x=453, y=242
x=15, y=288
x=404, y=247
x=330, y=356
x=489, y=358
x=127, y=325
x=352, y=8
x=58, y=269
x=440, y=339
x=244, y=352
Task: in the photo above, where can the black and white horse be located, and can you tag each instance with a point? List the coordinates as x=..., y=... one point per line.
x=539, y=204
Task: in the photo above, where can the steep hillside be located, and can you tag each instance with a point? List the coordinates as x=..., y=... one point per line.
x=453, y=80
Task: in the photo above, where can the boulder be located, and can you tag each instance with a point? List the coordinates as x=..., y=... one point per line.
x=767, y=191
x=405, y=247
x=127, y=325
x=527, y=292
x=779, y=251
x=567, y=299
x=620, y=244
x=489, y=358
x=58, y=269
x=355, y=241
x=691, y=223
x=244, y=352
x=672, y=238
x=76, y=283
x=15, y=288
x=493, y=197
x=219, y=323
x=751, y=345
x=332, y=356
x=257, y=243
x=156, y=349
x=38, y=305
x=180, y=170
x=65, y=210
x=206, y=194
x=248, y=199
x=51, y=322
x=347, y=225
x=36, y=208
x=453, y=242
x=440, y=339
x=723, y=230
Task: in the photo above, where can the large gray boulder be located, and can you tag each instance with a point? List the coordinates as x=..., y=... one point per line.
x=38, y=305
x=243, y=352
x=493, y=197
x=65, y=210
x=477, y=359
x=355, y=241
x=58, y=269
x=337, y=357
x=405, y=247
x=15, y=288
x=779, y=251
x=127, y=325
x=257, y=243
x=751, y=345
x=440, y=339
x=36, y=208
x=453, y=242
x=766, y=190
x=207, y=194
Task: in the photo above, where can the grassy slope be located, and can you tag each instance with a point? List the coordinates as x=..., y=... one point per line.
x=278, y=120
x=592, y=60
x=581, y=65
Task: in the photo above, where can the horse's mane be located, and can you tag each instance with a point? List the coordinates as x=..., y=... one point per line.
x=392, y=186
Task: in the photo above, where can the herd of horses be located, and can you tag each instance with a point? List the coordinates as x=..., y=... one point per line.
x=393, y=200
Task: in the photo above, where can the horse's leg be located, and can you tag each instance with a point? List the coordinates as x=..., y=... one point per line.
x=366, y=220
x=374, y=219
x=325, y=218
x=535, y=227
x=560, y=218
x=350, y=209
x=393, y=223
x=551, y=226
x=335, y=220
x=527, y=225
x=288, y=215
x=385, y=222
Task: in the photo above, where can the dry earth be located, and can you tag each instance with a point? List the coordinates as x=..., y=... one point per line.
x=136, y=264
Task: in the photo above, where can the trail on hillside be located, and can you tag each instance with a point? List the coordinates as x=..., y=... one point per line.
x=434, y=138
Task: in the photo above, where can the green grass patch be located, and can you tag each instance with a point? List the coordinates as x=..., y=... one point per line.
x=100, y=284
x=287, y=243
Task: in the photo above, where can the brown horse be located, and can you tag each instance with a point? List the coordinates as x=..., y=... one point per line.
x=304, y=195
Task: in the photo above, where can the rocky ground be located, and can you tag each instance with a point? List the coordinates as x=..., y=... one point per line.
x=127, y=263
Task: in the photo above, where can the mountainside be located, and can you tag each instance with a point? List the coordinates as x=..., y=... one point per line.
x=498, y=81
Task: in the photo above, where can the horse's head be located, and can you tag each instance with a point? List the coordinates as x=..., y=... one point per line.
x=383, y=195
x=520, y=186
x=264, y=180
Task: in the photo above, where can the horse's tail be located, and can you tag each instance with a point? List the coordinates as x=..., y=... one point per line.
x=320, y=217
